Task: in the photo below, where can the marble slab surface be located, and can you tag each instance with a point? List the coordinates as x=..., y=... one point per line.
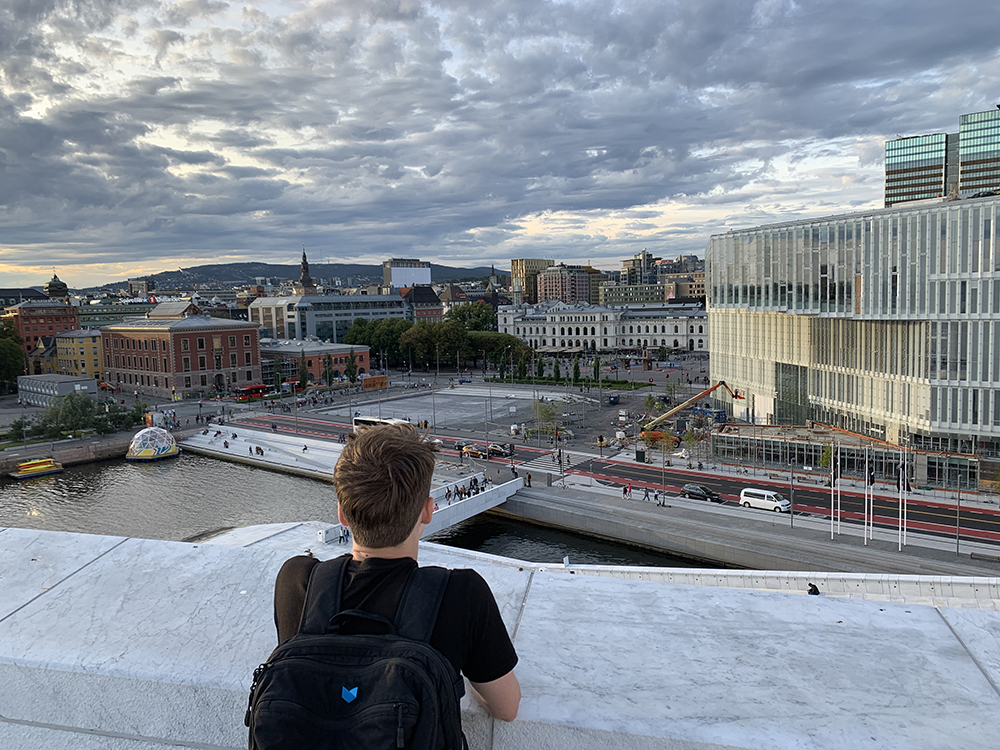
x=746, y=668
x=32, y=562
x=172, y=611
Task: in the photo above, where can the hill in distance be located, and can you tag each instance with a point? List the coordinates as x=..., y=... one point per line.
x=240, y=274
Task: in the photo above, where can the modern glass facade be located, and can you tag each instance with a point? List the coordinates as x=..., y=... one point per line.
x=884, y=323
x=979, y=151
x=965, y=163
x=915, y=168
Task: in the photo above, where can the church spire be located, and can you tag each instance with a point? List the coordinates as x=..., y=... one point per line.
x=305, y=284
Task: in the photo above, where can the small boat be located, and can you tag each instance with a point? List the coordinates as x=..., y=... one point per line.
x=38, y=467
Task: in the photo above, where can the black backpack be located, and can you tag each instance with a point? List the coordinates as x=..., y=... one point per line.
x=326, y=689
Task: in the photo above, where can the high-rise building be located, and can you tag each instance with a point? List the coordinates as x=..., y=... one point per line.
x=885, y=323
x=400, y=272
x=639, y=269
x=524, y=278
x=936, y=165
x=570, y=284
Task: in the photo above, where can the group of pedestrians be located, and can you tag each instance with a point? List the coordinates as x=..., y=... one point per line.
x=660, y=502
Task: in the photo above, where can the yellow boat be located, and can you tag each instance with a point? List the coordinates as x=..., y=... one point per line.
x=38, y=467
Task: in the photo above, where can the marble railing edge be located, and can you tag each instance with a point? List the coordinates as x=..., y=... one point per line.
x=968, y=587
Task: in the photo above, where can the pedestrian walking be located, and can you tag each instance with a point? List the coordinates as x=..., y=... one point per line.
x=645, y=495
x=630, y=491
x=624, y=491
x=656, y=496
x=527, y=479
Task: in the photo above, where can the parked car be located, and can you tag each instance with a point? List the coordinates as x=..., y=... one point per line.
x=501, y=449
x=473, y=451
x=459, y=444
x=753, y=497
x=700, y=492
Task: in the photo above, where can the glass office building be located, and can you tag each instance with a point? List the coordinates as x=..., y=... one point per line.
x=915, y=168
x=885, y=323
x=959, y=164
x=979, y=151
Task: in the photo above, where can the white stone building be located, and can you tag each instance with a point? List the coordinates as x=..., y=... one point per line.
x=557, y=327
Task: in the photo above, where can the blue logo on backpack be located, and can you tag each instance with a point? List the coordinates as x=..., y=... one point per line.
x=349, y=695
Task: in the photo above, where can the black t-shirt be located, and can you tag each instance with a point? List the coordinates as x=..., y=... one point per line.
x=469, y=631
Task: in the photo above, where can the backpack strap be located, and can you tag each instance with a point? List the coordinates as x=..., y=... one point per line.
x=418, y=609
x=323, y=594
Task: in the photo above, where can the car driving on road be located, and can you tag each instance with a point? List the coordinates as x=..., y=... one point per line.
x=700, y=492
x=501, y=449
x=473, y=451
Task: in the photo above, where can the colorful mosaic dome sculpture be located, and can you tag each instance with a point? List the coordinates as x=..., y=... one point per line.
x=152, y=444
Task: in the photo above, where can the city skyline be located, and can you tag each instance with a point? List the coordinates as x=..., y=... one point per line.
x=142, y=137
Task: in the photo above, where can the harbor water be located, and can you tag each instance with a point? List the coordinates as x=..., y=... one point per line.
x=195, y=495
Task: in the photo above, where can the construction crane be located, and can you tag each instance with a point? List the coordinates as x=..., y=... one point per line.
x=649, y=429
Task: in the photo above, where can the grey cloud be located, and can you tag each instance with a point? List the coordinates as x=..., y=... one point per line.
x=378, y=127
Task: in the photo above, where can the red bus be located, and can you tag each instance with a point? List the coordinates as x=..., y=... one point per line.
x=249, y=392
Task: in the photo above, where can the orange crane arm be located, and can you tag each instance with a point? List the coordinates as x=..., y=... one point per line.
x=653, y=424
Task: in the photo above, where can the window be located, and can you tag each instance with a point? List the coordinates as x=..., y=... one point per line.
x=232, y=359
x=186, y=364
x=232, y=342
x=201, y=345
x=201, y=362
x=187, y=381
x=204, y=380
x=185, y=345
x=249, y=376
x=246, y=340
x=246, y=358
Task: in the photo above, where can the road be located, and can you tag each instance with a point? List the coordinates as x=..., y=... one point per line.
x=924, y=515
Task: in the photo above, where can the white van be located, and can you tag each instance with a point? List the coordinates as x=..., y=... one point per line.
x=754, y=497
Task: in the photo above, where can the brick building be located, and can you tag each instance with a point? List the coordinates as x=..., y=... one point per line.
x=36, y=318
x=175, y=350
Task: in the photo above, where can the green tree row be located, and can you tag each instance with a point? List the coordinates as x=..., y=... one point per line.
x=74, y=413
x=464, y=334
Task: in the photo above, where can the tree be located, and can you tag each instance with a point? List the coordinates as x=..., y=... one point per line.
x=547, y=412
x=690, y=441
x=69, y=413
x=452, y=339
x=277, y=374
x=576, y=370
x=540, y=368
x=597, y=368
x=652, y=405
x=420, y=339
x=522, y=369
x=358, y=332
x=9, y=332
x=826, y=457
x=557, y=376
x=479, y=316
x=328, y=370
x=351, y=369
x=303, y=370
x=11, y=361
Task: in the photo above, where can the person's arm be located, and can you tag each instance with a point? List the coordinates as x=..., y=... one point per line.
x=501, y=697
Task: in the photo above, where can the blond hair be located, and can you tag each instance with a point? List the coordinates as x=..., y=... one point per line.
x=382, y=480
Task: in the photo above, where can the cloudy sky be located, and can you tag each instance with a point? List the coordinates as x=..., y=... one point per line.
x=145, y=135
